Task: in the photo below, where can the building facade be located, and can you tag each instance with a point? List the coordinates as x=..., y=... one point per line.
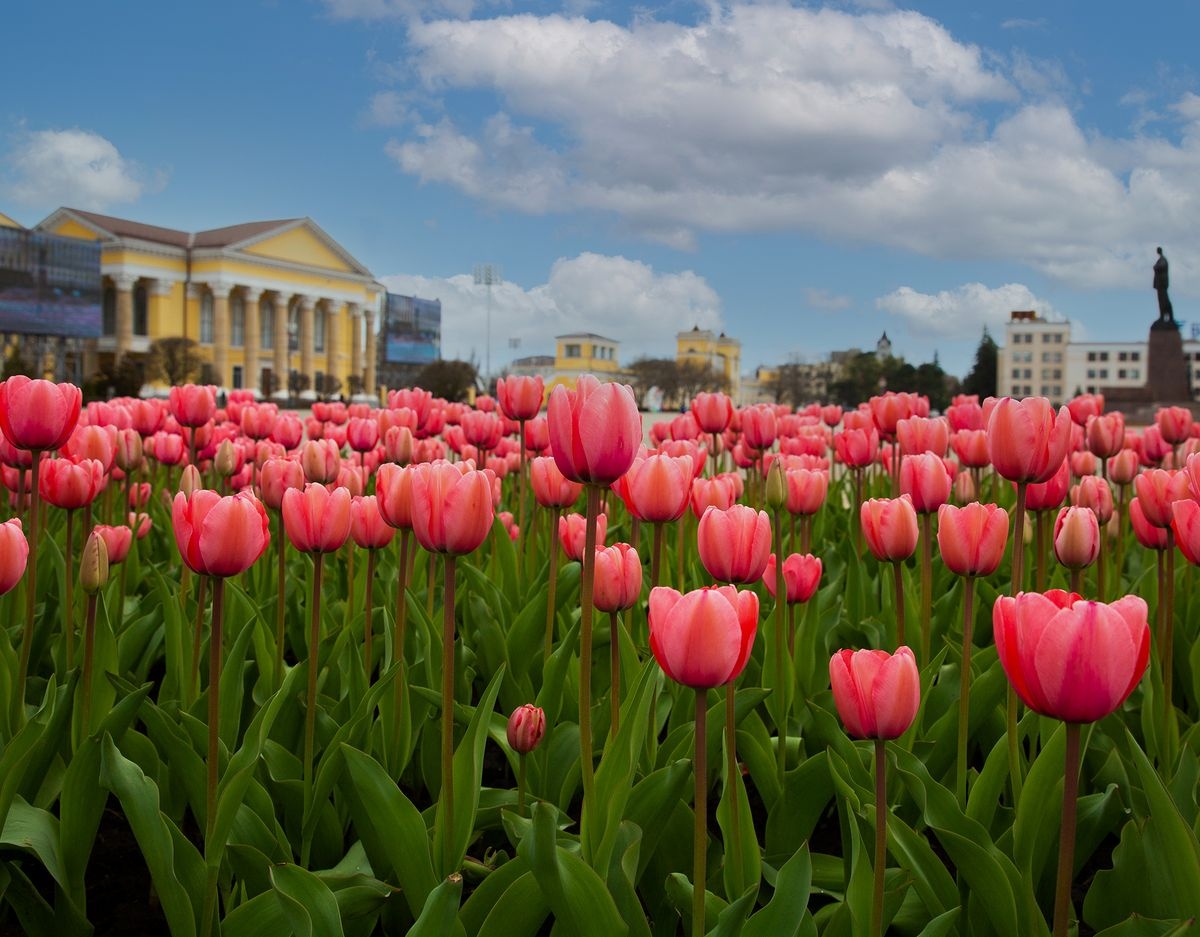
x=719, y=353
x=274, y=306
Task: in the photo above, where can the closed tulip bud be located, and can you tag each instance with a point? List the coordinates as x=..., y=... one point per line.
x=967, y=415
x=367, y=525
x=877, y=694
x=571, y=534
x=117, y=541
x=889, y=526
x=1105, y=434
x=398, y=443
x=656, y=488
x=1158, y=490
x=526, y=727
x=1085, y=406
x=140, y=524
x=924, y=478
x=1148, y=535
x=702, y=639
x=551, y=488
x=1048, y=495
x=972, y=538
x=801, y=576
x=856, y=448
x=1185, y=522
x=595, y=430
x=806, y=490
x=970, y=447
x=964, y=487
x=320, y=460
x=1070, y=659
x=316, y=519
x=70, y=485
x=128, y=454
x=93, y=564
x=618, y=582
x=36, y=414
x=228, y=459
x=452, y=509
x=1123, y=467
x=1094, y=493
x=1175, y=424
x=1027, y=440
x=777, y=489
x=276, y=477
x=220, y=536
x=734, y=544
x=715, y=492
x=918, y=434
x=190, y=480
x=14, y=554
x=393, y=491
x=713, y=411
x=1076, y=537
x=192, y=404
x=759, y=426
x=520, y=396
x=166, y=448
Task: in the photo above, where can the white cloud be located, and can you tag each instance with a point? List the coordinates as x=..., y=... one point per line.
x=622, y=299
x=387, y=109
x=962, y=312
x=1019, y=23
x=826, y=299
x=397, y=9
x=73, y=167
x=864, y=127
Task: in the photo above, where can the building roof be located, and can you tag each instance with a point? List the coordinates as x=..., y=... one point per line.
x=214, y=237
x=587, y=335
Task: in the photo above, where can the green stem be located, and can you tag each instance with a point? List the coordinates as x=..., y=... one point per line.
x=700, y=839
x=69, y=609
x=855, y=522
x=656, y=553
x=1015, y=774
x=731, y=773
x=521, y=784
x=89, y=643
x=1039, y=521
x=552, y=587
x=214, y=737
x=30, y=588
x=310, y=698
x=926, y=584
x=1168, y=651
x=614, y=645
x=197, y=636
x=368, y=624
x=447, y=792
x=1066, y=839
x=898, y=569
x=1018, y=550
x=881, y=814
x=964, y=688
x=521, y=499
x=585, y=650
x=780, y=602
x=280, y=558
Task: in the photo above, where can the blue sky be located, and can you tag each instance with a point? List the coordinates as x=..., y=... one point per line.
x=801, y=176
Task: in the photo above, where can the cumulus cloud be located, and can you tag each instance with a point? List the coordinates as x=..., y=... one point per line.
x=387, y=109
x=962, y=312
x=867, y=127
x=622, y=299
x=73, y=167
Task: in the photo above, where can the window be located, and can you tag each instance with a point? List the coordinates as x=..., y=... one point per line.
x=1091, y=373
x=1028, y=373
x=1058, y=338
x=1016, y=373
x=1135, y=356
x=237, y=322
x=572, y=351
x=1045, y=338
x=237, y=377
x=206, y=319
x=1121, y=373
x=1056, y=390
x=1091, y=389
x=1134, y=374
x=1091, y=356
x=1057, y=375
x=1123, y=356
x=108, y=320
x=319, y=330
x=266, y=323
x=141, y=325
x=1104, y=356
x=1104, y=374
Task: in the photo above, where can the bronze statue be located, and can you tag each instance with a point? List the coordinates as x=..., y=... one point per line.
x=1166, y=312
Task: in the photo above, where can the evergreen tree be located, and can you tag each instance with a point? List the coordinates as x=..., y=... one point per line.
x=982, y=378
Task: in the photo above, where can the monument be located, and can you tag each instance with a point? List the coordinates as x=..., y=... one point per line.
x=1168, y=379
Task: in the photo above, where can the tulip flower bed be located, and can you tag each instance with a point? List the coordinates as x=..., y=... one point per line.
x=433, y=669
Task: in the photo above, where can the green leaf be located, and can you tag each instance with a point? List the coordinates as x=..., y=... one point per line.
x=518, y=911
x=743, y=868
x=306, y=901
x=391, y=828
x=787, y=911
x=439, y=917
x=1138, y=926
x=175, y=866
x=576, y=894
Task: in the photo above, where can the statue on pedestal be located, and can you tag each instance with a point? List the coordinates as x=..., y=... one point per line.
x=1166, y=312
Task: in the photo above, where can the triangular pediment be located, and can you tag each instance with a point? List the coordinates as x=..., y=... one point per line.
x=301, y=242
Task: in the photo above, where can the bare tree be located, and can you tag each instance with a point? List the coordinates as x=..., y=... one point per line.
x=176, y=360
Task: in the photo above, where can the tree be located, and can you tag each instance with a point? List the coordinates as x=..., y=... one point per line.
x=663, y=373
x=981, y=379
x=452, y=380
x=176, y=360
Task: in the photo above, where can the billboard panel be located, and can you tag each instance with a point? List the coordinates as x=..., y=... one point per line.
x=412, y=330
x=49, y=284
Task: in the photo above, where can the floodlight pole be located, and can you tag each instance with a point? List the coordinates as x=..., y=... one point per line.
x=488, y=275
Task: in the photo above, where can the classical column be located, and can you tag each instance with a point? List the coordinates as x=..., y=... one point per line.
x=124, y=283
x=370, y=379
x=356, y=349
x=333, y=323
x=307, y=359
x=281, y=346
x=250, y=329
x=220, y=292
x=156, y=314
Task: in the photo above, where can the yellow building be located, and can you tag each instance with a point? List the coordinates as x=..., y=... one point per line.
x=6, y=222
x=718, y=353
x=582, y=353
x=270, y=303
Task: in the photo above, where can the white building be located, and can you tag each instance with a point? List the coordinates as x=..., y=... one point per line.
x=1039, y=359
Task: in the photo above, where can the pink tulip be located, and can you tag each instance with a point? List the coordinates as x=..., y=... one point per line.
x=618, y=583
x=219, y=536
x=924, y=478
x=1076, y=537
x=658, y=487
x=1175, y=424
x=713, y=411
x=877, y=694
x=452, y=509
x=316, y=519
x=525, y=729
x=1105, y=434
x=801, y=576
x=972, y=538
x=14, y=554
x=1027, y=440
x=889, y=526
x=367, y=526
x=552, y=489
x=595, y=430
x=572, y=529
x=734, y=544
x=36, y=414
x=702, y=639
x=520, y=396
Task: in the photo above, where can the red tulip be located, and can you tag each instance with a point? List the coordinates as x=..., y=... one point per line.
x=551, y=488
x=877, y=694
x=888, y=410
x=526, y=727
x=192, y=404
x=572, y=529
x=1105, y=434
x=1085, y=406
x=117, y=540
x=718, y=491
x=1158, y=490
x=1070, y=659
x=147, y=416
x=806, y=490
x=972, y=538
x=1076, y=537
x=713, y=411
x=1027, y=440
x=70, y=485
x=1185, y=522
x=1175, y=424
x=595, y=430
x=618, y=583
x=14, y=554
x=452, y=510
x=924, y=478
x=1148, y=535
x=702, y=639
x=320, y=460
x=967, y=415
x=275, y=477
x=856, y=448
x=362, y=434
x=1123, y=467
x=657, y=488
x=520, y=396
x=1048, y=495
x=316, y=519
x=801, y=576
x=37, y=414
x=219, y=536
x=890, y=527
x=367, y=526
x=1094, y=493
x=759, y=426
x=970, y=446
x=918, y=434
x=734, y=544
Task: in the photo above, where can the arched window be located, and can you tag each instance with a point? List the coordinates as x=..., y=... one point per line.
x=108, y=313
x=141, y=317
x=237, y=320
x=266, y=323
x=319, y=317
x=206, y=318
x=294, y=324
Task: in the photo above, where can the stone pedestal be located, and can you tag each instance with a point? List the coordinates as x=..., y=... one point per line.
x=1168, y=379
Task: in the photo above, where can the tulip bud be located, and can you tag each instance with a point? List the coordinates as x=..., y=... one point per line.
x=190, y=481
x=526, y=726
x=226, y=461
x=1076, y=537
x=93, y=564
x=777, y=488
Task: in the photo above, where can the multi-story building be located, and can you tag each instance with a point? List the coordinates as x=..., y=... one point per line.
x=718, y=353
x=273, y=305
